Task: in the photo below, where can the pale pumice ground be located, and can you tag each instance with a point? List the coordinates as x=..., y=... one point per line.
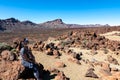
x=73, y=70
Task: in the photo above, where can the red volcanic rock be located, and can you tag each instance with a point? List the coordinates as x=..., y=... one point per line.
x=105, y=66
x=56, y=53
x=93, y=52
x=59, y=64
x=90, y=40
x=7, y=55
x=53, y=70
x=10, y=70
x=49, y=52
x=61, y=76
x=69, y=51
x=114, y=69
x=112, y=60
x=73, y=60
x=38, y=46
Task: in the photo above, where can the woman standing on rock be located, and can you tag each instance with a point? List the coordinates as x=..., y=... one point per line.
x=28, y=59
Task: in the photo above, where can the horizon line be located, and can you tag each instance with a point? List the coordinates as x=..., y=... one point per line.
x=62, y=21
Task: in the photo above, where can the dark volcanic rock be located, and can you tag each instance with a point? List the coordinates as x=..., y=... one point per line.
x=90, y=73
x=61, y=76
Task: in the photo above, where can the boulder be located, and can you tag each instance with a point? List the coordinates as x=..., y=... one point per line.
x=73, y=60
x=56, y=53
x=53, y=70
x=68, y=51
x=90, y=73
x=13, y=70
x=59, y=64
x=10, y=70
x=61, y=76
x=49, y=51
x=114, y=69
x=105, y=66
x=7, y=55
x=112, y=60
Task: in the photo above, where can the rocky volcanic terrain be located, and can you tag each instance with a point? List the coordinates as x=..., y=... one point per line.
x=80, y=54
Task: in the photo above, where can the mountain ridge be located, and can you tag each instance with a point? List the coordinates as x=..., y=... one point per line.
x=15, y=24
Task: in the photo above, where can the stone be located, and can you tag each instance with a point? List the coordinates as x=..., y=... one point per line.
x=7, y=55
x=59, y=64
x=73, y=60
x=56, y=53
x=105, y=66
x=90, y=73
x=53, y=70
x=112, y=60
x=104, y=73
x=61, y=76
x=10, y=70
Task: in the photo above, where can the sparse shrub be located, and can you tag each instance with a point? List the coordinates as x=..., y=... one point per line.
x=4, y=46
x=15, y=53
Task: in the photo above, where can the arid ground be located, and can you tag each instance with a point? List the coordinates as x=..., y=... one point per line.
x=81, y=54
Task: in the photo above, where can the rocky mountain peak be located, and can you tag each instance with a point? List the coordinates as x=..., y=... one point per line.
x=28, y=22
x=56, y=21
x=13, y=20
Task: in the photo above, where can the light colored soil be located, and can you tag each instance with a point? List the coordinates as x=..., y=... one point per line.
x=73, y=70
x=112, y=36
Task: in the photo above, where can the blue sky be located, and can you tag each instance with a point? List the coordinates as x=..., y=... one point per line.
x=70, y=11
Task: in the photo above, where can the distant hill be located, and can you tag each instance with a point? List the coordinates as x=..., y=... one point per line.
x=15, y=24
x=57, y=23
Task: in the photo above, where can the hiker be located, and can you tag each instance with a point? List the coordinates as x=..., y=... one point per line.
x=28, y=59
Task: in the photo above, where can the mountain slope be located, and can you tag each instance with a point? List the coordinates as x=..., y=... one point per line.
x=57, y=23
x=14, y=24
